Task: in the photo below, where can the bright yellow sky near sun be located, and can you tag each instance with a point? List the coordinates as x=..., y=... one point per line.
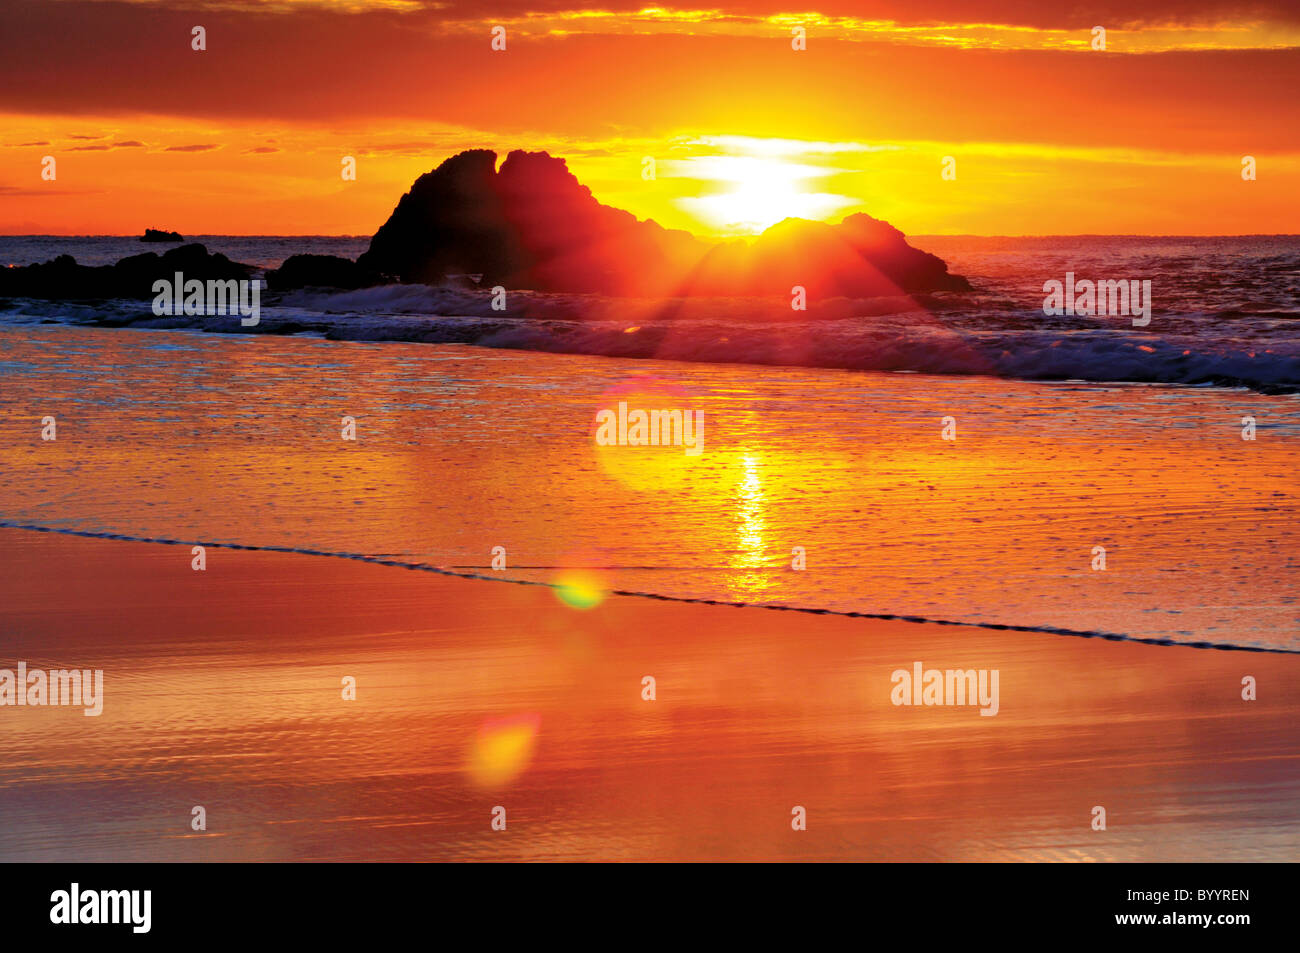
x=272, y=181
x=1045, y=137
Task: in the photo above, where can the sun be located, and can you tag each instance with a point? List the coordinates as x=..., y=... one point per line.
x=753, y=193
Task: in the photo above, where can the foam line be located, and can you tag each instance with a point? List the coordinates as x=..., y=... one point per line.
x=425, y=567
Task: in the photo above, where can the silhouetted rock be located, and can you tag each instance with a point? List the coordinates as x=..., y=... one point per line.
x=860, y=257
x=132, y=277
x=155, y=235
x=320, y=271
x=532, y=224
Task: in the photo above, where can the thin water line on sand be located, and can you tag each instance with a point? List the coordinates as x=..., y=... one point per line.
x=845, y=613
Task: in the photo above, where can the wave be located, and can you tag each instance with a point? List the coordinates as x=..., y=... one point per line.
x=949, y=333
x=461, y=574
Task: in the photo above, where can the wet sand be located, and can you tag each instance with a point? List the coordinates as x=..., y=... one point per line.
x=223, y=690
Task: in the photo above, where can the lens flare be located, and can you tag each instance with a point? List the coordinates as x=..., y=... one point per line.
x=579, y=589
x=502, y=750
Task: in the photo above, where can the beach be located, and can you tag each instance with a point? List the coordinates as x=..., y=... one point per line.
x=222, y=689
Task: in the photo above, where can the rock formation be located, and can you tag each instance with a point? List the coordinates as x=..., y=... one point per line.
x=532, y=224
x=320, y=271
x=132, y=277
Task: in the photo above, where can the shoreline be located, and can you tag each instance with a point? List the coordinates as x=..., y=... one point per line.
x=662, y=597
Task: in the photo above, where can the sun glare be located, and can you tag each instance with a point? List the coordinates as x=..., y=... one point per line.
x=755, y=192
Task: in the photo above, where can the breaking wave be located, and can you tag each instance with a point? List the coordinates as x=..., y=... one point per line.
x=954, y=333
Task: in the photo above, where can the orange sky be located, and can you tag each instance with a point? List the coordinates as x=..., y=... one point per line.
x=1049, y=136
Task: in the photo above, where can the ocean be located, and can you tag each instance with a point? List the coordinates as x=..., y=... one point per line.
x=475, y=431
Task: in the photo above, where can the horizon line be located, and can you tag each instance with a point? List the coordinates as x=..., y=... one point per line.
x=909, y=235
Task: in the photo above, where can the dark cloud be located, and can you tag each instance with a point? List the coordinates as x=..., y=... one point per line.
x=1067, y=14
x=261, y=150
x=105, y=146
x=267, y=66
x=204, y=147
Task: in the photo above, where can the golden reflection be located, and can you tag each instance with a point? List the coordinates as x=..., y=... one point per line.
x=749, y=558
x=648, y=434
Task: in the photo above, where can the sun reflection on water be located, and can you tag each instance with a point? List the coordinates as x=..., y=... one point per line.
x=749, y=578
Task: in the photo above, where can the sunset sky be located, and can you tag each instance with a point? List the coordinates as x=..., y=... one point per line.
x=1049, y=135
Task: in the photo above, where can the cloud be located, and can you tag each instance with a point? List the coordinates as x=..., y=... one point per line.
x=1034, y=13
x=106, y=146
x=205, y=147
x=261, y=151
